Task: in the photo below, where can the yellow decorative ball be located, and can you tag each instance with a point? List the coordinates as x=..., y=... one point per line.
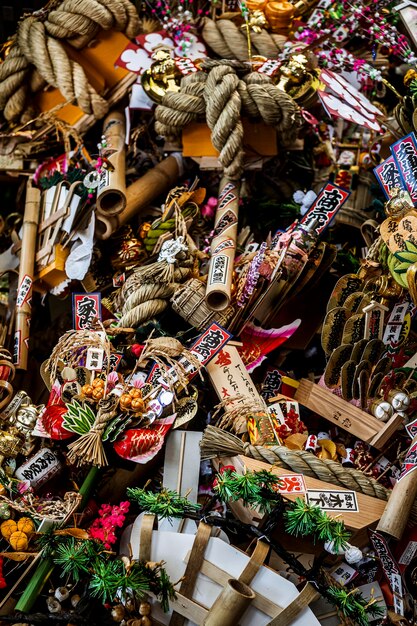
x=19, y=541
x=8, y=528
x=26, y=525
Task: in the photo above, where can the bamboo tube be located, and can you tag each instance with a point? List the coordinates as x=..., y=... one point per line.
x=230, y=605
x=397, y=511
x=140, y=194
x=26, y=268
x=111, y=192
x=223, y=247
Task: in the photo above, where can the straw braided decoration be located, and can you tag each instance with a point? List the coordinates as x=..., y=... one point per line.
x=222, y=96
x=229, y=42
x=39, y=56
x=217, y=442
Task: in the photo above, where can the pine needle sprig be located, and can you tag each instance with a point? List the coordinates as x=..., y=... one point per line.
x=301, y=518
x=105, y=580
x=255, y=489
x=166, y=503
x=74, y=559
x=353, y=605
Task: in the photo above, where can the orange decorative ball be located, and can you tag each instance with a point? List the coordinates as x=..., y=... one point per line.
x=98, y=382
x=138, y=405
x=98, y=393
x=19, y=541
x=8, y=528
x=87, y=390
x=125, y=401
x=26, y=525
x=135, y=392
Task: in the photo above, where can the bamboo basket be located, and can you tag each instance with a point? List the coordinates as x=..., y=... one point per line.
x=189, y=303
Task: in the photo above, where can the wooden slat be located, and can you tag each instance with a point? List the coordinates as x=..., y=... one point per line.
x=345, y=415
x=221, y=577
x=256, y=561
x=189, y=609
x=370, y=509
x=193, y=568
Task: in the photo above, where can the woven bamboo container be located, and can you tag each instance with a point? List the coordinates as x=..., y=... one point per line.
x=189, y=303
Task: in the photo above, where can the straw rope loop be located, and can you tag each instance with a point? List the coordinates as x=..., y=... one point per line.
x=218, y=92
x=38, y=52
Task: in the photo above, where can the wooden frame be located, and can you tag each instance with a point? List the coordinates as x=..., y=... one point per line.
x=346, y=415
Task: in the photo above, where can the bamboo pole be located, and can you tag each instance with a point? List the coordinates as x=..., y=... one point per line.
x=111, y=192
x=26, y=269
x=397, y=511
x=223, y=247
x=140, y=194
x=230, y=604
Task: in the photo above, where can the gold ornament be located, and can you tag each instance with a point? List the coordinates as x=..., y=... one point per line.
x=138, y=405
x=7, y=528
x=135, y=392
x=256, y=21
x=125, y=401
x=399, y=204
x=162, y=76
x=26, y=525
x=98, y=393
x=98, y=383
x=87, y=390
x=279, y=15
x=19, y=541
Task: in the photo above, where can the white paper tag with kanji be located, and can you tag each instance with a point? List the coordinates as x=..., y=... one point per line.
x=292, y=484
x=344, y=574
x=94, y=359
x=333, y=500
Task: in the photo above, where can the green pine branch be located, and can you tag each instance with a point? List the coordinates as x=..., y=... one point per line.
x=303, y=519
x=255, y=489
x=166, y=503
x=353, y=605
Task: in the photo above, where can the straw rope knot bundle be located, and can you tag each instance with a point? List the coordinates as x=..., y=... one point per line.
x=39, y=56
x=229, y=41
x=219, y=94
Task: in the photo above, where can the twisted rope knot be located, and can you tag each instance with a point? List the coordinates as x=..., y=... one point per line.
x=222, y=96
x=38, y=52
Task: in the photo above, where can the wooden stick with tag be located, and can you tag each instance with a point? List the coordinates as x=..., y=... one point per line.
x=397, y=511
x=26, y=268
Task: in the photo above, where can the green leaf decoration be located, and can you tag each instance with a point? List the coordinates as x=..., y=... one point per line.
x=115, y=427
x=79, y=418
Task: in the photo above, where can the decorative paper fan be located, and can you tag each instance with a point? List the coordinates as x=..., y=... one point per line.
x=258, y=342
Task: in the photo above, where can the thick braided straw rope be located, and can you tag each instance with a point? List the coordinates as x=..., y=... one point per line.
x=217, y=442
x=39, y=56
x=230, y=42
x=223, y=97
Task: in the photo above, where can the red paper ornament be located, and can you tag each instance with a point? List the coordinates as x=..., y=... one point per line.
x=52, y=420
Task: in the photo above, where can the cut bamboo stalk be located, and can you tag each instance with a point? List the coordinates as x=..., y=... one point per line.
x=230, y=604
x=111, y=192
x=140, y=194
x=26, y=269
x=397, y=511
x=223, y=247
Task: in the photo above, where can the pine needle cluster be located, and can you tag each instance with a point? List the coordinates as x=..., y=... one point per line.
x=303, y=519
x=165, y=503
